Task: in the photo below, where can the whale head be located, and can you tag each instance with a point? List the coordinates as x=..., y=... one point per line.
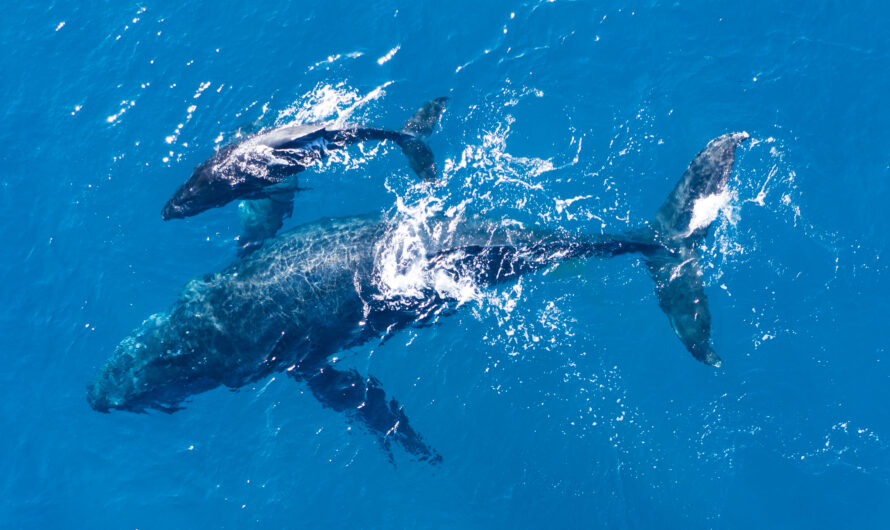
x=208, y=187
x=153, y=368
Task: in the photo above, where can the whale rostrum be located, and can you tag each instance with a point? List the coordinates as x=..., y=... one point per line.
x=320, y=288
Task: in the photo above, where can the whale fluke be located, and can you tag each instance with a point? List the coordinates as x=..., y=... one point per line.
x=679, y=226
x=681, y=295
x=424, y=121
x=415, y=133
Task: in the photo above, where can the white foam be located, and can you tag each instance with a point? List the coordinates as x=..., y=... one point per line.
x=389, y=55
x=563, y=204
x=328, y=103
x=401, y=257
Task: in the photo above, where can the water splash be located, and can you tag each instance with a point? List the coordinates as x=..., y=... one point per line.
x=705, y=210
x=402, y=265
x=849, y=445
x=328, y=103
x=774, y=190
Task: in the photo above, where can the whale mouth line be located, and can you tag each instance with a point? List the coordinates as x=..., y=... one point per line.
x=182, y=208
x=102, y=402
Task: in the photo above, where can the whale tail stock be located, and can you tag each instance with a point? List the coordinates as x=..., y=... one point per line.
x=673, y=236
x=668, y=243
x=414, y=134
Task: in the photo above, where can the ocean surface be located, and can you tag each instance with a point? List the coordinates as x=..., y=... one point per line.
x=561, y=401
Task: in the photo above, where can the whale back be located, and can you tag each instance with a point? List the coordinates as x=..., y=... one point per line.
x=287, y=137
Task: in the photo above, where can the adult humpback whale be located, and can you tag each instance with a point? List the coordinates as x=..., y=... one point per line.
x=317, y=289
x=263, y=167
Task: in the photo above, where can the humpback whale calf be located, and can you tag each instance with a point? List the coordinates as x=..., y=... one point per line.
x=317, y=289
x=263, y=167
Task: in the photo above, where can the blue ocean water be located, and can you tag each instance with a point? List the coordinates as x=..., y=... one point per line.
x=562, y=401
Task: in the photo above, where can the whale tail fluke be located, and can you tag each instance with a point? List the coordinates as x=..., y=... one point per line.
x=681, y=295
x=414, y=135
x=679, y=226
x=684, y=215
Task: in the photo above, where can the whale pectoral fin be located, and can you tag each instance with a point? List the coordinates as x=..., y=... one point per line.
x=681, y=295
x=261, y=219
x=570, y=268
x=363, y=401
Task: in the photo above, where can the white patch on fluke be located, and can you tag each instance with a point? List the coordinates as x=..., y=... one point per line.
x=706, y=209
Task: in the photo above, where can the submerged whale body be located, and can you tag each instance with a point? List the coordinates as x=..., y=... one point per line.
x=263, y=167
x=317, y=289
